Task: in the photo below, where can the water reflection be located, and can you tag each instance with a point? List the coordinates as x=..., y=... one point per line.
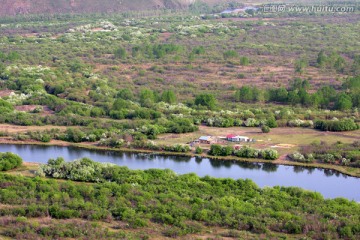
x=270, y=167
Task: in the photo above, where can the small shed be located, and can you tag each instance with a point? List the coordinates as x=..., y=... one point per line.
x=205, y=139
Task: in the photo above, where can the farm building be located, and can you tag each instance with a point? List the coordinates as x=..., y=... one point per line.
x=205, y=139
x=235, y=138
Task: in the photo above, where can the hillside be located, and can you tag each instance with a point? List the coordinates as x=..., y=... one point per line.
x=16, y=7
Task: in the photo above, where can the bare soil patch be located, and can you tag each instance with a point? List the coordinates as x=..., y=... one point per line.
x=5, y=93
x=26, y=108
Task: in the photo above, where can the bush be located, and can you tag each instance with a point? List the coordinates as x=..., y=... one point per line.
x=9, y=161
x=177, y=148
x=265, y=129
x=298, y=157
x=269, y=154
x=199, y=150
x=336, y=125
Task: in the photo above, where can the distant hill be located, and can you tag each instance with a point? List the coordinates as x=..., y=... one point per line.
x=23, y=7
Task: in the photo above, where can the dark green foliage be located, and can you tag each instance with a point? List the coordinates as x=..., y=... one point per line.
x=300, y=65
x=181, y=125
x=147, y=98
x=230, y=54
x=215, y=150
x=161, y=196
x=168, y=97
x=218, y=150
x=177, y=148
x=206, y=100
x=271, y=122
x=120, y=53
x=336, y=125
x=199, y=150
x=9, y=161
x=265, y=129
x=125, y=94
x=343, y=102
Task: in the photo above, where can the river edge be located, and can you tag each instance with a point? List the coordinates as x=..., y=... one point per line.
x=341, y=169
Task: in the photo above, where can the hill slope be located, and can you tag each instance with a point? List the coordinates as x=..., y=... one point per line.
x=16, y=7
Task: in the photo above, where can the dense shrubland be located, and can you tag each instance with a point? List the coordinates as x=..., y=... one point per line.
x=141, y=198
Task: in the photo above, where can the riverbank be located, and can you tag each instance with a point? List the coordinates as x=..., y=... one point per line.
x=354, y=172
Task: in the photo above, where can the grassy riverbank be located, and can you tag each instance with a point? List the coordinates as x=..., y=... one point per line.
x=354, y=172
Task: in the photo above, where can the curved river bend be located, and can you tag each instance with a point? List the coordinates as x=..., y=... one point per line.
x=329, y=183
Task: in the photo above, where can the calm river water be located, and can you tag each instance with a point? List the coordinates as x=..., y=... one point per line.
x=329, y=183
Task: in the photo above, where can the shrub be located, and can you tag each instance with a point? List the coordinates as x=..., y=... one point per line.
x=336, y=125
x=177, y=148
x=269, y=154
x=9, y=161
x=328, y=158
x=298, y=157
x=199, y=150
x=265, y=129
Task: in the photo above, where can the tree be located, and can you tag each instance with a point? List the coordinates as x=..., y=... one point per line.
x=321, y=59
x=147, y=98
x=343, y=102
x=215, y=150
x=339, y=64
x=168, y=97
x=120, y=53
x=271, y=122
x=120, y=104
x=126, y=94
x=244, y=94
x=206, y=100
x=300, y=66
x=293, y=97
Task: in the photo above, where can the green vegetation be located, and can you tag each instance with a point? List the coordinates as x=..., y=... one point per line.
x=9, y=161
x=136, y=80
x=244, y=152
x=120, y=194
x=337, y=153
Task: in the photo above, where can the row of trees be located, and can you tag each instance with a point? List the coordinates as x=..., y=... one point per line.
x=326, y=97
x=244, y=152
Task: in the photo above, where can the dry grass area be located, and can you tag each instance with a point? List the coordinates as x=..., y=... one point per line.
x=270, y=71
x=292, y=137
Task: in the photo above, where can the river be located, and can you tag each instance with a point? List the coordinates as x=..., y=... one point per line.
x=329, y=183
